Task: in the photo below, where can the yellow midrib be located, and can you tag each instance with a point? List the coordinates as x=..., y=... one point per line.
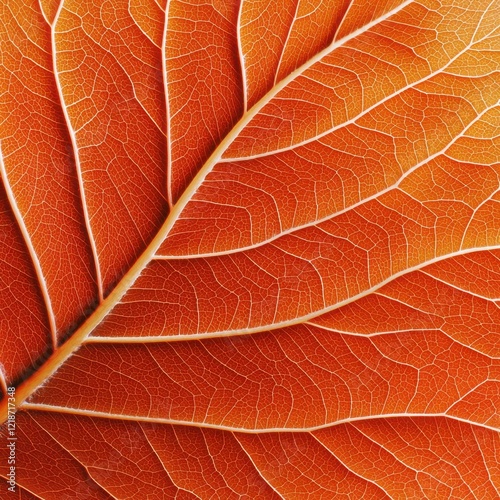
x=31, y=384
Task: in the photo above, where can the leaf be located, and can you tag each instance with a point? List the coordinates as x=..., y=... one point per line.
x=250, y=250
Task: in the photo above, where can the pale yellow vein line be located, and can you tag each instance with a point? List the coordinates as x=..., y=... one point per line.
x=344, y=17
x=3, y=381
x=210, y=454
x=31, y=250
x=72, y=135
x=167, y=106
x=490, y=199
x=159, y=420
x=361, y=202
x=242, y=58
x=136, y=22
x=464, y=290
x=472, y=390
x=372, y=335
x=43, y=12
x=291, y=322
x=353, y=120
x=216, y=156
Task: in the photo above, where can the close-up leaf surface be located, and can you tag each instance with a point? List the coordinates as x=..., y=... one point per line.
x=250, y=249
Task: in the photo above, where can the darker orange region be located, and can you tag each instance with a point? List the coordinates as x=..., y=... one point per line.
x=60, y=477
x=111, y=79
x=115, y=456
x=27, y=338
x=41, y=169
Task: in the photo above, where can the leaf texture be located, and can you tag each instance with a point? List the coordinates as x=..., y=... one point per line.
x=251, y=249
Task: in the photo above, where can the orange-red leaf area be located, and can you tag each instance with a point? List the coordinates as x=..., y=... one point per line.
x=251, y=249
x=401, y=457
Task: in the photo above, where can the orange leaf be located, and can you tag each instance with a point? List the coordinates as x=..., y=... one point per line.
x=250, y=249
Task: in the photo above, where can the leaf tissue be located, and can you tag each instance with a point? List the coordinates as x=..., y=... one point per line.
x=250, y=249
